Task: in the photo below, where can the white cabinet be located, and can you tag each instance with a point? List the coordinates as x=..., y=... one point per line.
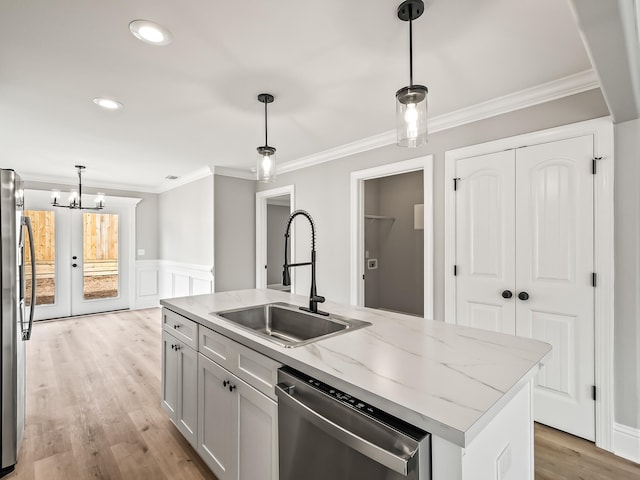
x=237, y=429
x=180, y=385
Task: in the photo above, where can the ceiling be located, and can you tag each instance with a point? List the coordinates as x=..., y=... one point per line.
x=332, y=65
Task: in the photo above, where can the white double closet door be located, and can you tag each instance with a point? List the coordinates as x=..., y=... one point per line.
x=524, y=261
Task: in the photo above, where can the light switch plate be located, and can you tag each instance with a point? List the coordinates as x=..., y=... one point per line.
x=372, y=264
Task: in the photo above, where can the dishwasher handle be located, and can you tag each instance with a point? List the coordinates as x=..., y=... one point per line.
x=380, y=455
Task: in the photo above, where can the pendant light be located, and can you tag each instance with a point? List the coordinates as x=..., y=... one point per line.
x=411, y=101
x=266, y=167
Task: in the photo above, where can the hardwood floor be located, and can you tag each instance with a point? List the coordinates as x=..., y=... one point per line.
x=93, y=403
x=560, y=456
x=93, y=411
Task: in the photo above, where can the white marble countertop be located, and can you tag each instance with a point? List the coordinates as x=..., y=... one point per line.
x=448, y=380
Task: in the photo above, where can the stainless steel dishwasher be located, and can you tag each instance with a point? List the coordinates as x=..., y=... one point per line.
x=324, y=433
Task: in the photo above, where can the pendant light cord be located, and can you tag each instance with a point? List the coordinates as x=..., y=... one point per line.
x=266, y=143
x=410, y=48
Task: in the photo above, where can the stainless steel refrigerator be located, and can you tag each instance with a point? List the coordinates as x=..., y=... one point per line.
x=16, y=318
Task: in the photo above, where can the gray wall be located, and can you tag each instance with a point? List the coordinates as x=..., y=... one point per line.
x=146, y=213
x=330, y=207
x=185, y=223
x=235, y=237
x=627, y=279
x=399, y=248
x=277, y=216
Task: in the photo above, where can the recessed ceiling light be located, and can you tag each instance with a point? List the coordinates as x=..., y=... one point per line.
x=150, y=32
x=108, y=103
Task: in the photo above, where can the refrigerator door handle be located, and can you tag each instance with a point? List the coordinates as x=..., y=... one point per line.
x=26, y=334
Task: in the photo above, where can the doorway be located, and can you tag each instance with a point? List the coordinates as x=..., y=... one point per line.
x=273, y=208
x=394, y=243
x=373, y=189
x=83, y=258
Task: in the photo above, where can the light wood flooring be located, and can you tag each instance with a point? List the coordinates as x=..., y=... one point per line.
x=93, y=411
x=93, y=403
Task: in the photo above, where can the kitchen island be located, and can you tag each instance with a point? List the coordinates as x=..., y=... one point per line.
x=471, y=389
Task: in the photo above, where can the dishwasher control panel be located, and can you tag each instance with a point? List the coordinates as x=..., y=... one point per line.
x=357, y=404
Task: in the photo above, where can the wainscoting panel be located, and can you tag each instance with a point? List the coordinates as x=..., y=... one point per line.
x=157, y=279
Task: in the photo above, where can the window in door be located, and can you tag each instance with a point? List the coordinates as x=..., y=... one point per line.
x=100, y=255
x=44, y=239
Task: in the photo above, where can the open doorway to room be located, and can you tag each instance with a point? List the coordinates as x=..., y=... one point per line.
x=392, y=237
x=273, y=208
x=394, y=243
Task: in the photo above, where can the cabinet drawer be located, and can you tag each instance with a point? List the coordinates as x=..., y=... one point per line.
x=259, y=371
x=180, y=327
x=216, y=347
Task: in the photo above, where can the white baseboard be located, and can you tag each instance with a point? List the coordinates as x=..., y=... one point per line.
x=626, y=442
x=157, y=279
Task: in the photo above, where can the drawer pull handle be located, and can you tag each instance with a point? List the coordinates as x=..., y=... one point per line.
x=176, y=326
x=232, y=387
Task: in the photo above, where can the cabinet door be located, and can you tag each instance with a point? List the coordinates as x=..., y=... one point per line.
x=217, y=420
x=187, y=412
x=169, y=375
x=257, y=434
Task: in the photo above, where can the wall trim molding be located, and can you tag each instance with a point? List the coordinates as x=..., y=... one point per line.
x=602, y=131
x=546, y=92
x=156, y=279
x=626, y=442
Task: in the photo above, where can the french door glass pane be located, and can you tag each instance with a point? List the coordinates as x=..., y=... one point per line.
x=100, y=239
x=44, y=241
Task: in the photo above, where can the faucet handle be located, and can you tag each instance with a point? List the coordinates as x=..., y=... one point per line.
x=318, y=299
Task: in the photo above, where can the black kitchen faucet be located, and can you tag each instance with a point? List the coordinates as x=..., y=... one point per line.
x=314, y=298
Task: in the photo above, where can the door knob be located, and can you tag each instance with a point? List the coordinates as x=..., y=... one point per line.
x=523, y=296
x=507, y=294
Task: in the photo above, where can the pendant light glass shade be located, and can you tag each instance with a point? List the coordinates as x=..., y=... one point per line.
x=411, y=116
x=411, y=101
x=266, y=164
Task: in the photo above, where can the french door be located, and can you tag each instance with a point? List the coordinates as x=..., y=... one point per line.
x=525, y=262
x=82, y=259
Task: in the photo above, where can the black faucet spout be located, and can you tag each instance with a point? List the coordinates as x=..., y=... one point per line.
x=314, y=298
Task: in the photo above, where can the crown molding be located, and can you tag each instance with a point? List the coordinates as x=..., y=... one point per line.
x=546, y=92
x=234, y=172
x=73, y=182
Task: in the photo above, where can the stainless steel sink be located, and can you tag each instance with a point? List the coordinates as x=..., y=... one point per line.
x=287, y=325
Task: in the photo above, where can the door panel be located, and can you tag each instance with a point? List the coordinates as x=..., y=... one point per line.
x=485, y=241
x=554, y=265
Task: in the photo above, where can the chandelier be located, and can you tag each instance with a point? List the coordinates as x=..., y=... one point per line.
x=75, y=196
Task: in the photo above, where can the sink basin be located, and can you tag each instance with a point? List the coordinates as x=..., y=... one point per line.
x=287, y=325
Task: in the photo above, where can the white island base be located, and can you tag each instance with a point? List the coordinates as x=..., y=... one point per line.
x=502, y=451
